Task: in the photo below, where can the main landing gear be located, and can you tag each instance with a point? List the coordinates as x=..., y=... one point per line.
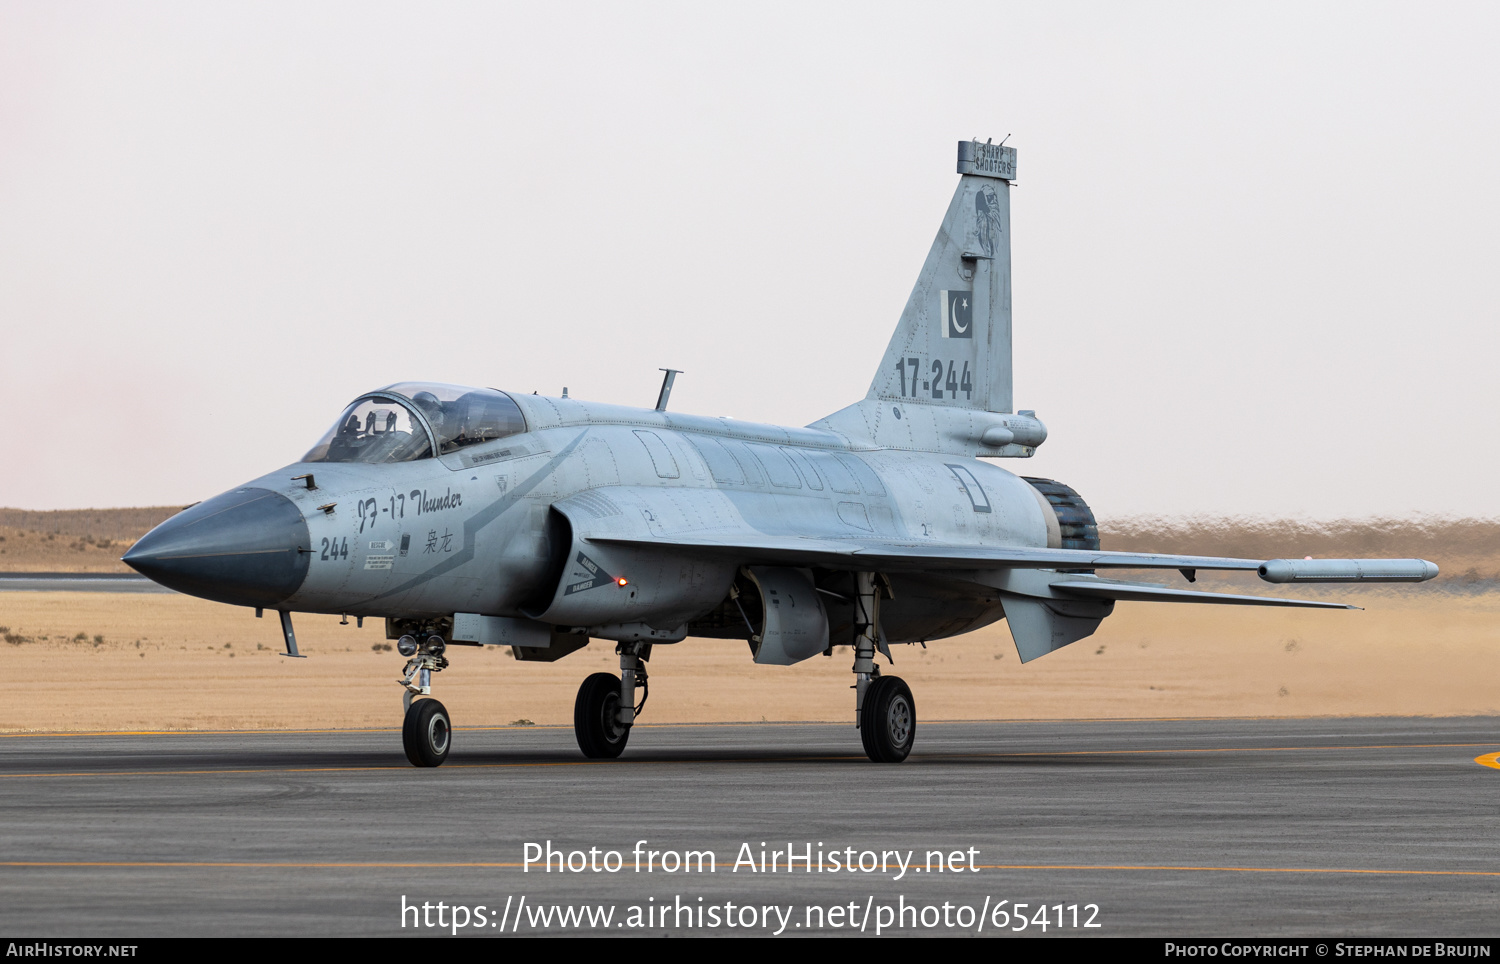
x=427, y=733
x=606, y=708
x=884, y=711
x=888, y=720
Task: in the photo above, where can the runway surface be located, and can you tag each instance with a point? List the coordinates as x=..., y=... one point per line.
x=77, y=582
x=1313, y=827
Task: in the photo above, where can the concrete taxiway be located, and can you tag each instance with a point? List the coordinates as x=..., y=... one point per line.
x=77, y=582
x=1315, y=827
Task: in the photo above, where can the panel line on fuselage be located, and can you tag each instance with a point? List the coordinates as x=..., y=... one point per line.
x=483, y=518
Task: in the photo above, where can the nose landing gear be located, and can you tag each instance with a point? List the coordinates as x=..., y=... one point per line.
x=427, y=733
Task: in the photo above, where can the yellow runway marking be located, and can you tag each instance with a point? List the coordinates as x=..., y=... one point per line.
x=67, y=734
x=1247, y=870
x=55, y=735
x=248, y=864
x=324, y=732
x=1491, y=760
x=499, y=865
x=1230, y=749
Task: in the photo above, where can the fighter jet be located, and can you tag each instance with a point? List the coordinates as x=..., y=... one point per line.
x=479, y=517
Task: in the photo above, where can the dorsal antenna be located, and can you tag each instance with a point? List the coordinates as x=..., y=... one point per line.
x=666, y=387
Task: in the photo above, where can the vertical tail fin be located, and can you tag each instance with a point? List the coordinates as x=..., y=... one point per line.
x=949, y=362
x=952, y=345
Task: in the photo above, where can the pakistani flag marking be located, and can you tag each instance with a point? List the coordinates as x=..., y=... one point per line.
x=958, y=314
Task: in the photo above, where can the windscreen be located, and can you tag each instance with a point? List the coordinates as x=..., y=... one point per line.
x=373, y=429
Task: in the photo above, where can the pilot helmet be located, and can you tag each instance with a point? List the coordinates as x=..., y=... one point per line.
x=430, y=406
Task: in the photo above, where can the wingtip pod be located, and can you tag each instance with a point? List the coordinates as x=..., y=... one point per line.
x=1347, y=570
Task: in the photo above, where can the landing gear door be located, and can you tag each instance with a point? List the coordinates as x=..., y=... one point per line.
x=795, y=624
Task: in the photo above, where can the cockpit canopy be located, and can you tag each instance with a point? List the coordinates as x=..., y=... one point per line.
x=412, y=420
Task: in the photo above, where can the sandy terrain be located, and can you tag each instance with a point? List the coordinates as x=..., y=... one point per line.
x=1468, y=550
x=95, y=661
x=73, y=540
x=91, y=661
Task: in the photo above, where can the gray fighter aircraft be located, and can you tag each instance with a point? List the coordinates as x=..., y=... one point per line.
x=481, y=517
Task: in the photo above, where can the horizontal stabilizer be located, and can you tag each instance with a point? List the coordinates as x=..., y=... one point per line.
x=1047, y=610
x=1095, y=588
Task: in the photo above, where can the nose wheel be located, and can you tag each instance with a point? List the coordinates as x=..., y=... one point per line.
x=427, y=734
x=888, y=721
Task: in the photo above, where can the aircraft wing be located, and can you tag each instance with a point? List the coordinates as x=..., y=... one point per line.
x=1048, y=602
x=921, y=556
x=894, y=556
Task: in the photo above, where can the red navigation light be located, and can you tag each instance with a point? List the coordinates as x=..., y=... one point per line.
x=622, y=581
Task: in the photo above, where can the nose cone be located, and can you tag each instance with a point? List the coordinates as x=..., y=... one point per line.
x=246, y=548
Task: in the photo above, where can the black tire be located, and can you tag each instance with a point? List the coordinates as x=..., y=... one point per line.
x=595, y=723
x=427, y=734
x=888, y=722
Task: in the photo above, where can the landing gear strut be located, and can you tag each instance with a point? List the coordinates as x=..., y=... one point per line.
x=606, y=708
x=427, y=733
x=884, y=711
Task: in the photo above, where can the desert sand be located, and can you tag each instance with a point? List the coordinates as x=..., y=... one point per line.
x=103, y=662
x=132, y=662
x=73, y=540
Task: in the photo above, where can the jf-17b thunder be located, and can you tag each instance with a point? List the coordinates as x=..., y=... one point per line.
x=471, y=516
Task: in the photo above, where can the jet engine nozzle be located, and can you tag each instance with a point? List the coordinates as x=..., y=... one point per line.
x=248, y=547
x=1348, y=570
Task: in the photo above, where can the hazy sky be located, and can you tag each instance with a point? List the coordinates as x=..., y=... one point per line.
x=1254, y=245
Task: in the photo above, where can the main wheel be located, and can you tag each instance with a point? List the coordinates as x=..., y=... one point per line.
x=596, y=720
x=427, y=735
x=888, y=720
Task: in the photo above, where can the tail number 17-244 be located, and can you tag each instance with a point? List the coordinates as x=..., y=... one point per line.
x=943, y=377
